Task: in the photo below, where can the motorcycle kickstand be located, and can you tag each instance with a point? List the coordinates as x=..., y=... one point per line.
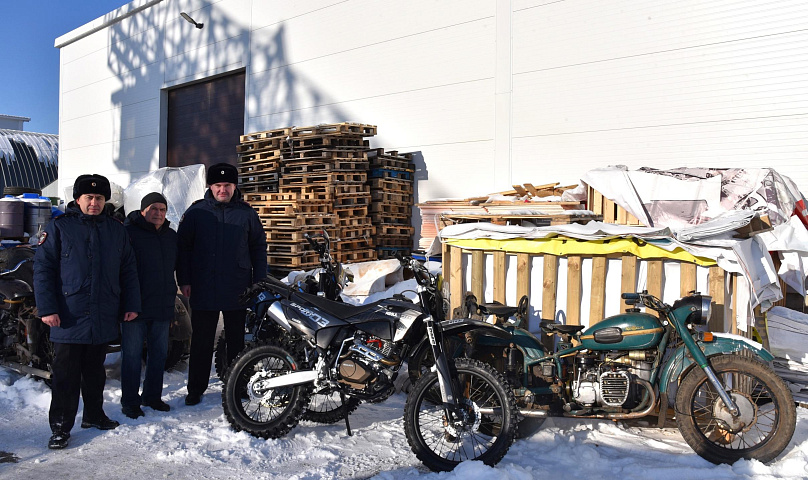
x=347, y=413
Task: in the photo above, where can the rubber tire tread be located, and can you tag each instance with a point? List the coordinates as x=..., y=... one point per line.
x=504, y=441
x=281, y=425
x=782, y=396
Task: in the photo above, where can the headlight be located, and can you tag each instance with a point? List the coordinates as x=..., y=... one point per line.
x=701, y=305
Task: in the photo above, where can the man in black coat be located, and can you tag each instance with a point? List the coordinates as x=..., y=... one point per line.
x=85, y=277
x=155, y=245
x=222, y=251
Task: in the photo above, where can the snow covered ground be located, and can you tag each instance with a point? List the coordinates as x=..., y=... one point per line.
x=197, y=442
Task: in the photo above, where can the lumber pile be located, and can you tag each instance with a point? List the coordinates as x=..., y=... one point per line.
x=325, y=177
x=525, y=204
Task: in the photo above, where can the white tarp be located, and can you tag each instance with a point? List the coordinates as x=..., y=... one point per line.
x=181, y=186
x=788, y=334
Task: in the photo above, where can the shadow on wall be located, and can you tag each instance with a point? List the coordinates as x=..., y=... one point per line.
x=157, y=47
x=421, y=174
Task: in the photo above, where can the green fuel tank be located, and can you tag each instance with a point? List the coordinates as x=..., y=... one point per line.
x=627, y=331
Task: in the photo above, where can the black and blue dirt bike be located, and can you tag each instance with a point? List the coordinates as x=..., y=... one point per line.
x=728, y=403
x=460, y=410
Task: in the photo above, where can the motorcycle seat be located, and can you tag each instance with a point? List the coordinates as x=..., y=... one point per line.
x=549, y=326
x=343, y=311
x=497, y=309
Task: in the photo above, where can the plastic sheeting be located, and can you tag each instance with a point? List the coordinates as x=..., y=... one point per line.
x=181, y=186
x=28, y=159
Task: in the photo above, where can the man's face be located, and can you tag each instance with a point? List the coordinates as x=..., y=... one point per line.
x=155, y=214
x=91, y=203
x=223, y=192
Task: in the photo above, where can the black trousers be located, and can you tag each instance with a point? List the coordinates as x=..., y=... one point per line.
x=77, y=368
x=203, y=337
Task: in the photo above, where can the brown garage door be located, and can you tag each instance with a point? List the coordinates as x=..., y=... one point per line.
x=205, y=120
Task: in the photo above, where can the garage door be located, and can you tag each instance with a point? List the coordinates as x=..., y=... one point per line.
x=205, y=121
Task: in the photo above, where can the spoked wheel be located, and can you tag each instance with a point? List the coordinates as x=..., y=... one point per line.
x=422, y=360
x=220, y=357
x=482, y=428
x=767, y=413
x=250, y=406
x=326, y=406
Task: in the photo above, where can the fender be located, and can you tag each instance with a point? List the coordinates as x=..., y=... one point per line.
x=462, y=325
x=724, y=344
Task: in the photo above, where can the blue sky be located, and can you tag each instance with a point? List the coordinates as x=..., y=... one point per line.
x=29, y=83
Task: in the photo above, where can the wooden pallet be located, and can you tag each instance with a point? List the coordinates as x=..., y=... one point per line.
x=258, y=188
x=296, y=235
x=278, y=133
x=356, y=256
x=294, y=167
x=264, y=156
x=391, y=197
x=390, y=185
x=352, y=244
x=385, y=253
x=394, y=240
x=384, y=229
x=296, y=260
x=288, y=248
x=390, y=208
x=286, y=209
x=351, y=211
x=379, y=159
x=323, y=178
x=259, y=146
x=322, y=154
x=357, y=231
x=331, y=141
x=377, y=218
x=262, y=177
x=391, y=174
x=259, y=168
x=335, y=128
x=349, y=200
x=300, y=221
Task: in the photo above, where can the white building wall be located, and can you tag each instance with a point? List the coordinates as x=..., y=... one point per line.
x=489, y=93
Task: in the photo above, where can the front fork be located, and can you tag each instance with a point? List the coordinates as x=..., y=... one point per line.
x=446, y=380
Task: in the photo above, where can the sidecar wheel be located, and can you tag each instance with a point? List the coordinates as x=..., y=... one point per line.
x=768, y=414
x=478, y=434
x=261, y=413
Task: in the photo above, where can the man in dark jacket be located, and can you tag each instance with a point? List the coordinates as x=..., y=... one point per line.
x=155, y=246
x=84, y=278
x=222, y=251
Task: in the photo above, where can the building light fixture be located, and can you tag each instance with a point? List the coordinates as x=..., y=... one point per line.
x=191, y=20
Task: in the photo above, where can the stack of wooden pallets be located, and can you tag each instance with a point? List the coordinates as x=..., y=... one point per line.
x=321, y=180
x=391, y=189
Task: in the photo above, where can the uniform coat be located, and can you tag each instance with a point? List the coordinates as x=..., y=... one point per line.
x=85, y=271
x=222, y=251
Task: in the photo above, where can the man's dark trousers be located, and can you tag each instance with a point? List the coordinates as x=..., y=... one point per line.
x=204, y=324
x=76, y=368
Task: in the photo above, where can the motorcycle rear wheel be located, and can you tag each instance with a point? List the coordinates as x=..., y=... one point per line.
x=478, y=436
x=263, y=414
x=768, y=413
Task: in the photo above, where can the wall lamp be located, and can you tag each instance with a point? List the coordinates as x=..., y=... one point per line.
x=191, y=20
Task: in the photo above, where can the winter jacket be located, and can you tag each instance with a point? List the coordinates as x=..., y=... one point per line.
x=222, y=251
x=85, y=270
x=156, y=252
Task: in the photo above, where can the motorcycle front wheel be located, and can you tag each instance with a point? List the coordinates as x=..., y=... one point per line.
x=263, y=413
x=767, y=412
x=483, y=428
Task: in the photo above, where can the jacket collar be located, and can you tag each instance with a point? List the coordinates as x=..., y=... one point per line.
x=74, y=209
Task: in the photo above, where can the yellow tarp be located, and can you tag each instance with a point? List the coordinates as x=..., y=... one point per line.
x=564, y=246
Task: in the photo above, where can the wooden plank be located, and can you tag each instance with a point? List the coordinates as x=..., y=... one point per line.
x=500, y=259
x=574, y=290
x=716, y=289
x=478, y=274
x=687, y=278
x=655, y=273
x=522, y=275
x=628, y=277
x=597, y=303
x=597, y=203
x=608, y=211
x=549, y=281
x=622, y=216
x=456, y=275
x=519, y=190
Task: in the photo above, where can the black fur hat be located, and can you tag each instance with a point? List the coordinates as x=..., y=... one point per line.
x=91, y=184
x=222, y=173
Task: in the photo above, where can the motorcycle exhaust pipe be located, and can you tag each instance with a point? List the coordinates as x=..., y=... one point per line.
x=624, y=416
x=523, y=412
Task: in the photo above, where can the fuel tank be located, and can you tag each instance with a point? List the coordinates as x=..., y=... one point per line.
x=627, y=331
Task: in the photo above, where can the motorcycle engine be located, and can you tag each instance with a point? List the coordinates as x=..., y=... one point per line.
x=607, y=381
x=8, y=329
x=369, y=364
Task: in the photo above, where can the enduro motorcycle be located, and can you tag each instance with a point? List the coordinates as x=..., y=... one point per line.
x=728, y=403
x=461, y=410
x=326, y=405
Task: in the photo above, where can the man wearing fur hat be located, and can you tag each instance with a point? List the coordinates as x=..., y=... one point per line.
x=85, y=278
x=155, y=246
x=222, y=251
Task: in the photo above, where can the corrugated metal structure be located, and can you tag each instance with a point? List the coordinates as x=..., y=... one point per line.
x=28, y=159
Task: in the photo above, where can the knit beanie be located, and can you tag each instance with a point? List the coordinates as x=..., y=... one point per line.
x=153, y=197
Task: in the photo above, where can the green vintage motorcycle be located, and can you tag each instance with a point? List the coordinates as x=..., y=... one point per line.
x=727, y=402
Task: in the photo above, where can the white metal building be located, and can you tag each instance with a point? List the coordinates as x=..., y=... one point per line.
x=489, y=92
